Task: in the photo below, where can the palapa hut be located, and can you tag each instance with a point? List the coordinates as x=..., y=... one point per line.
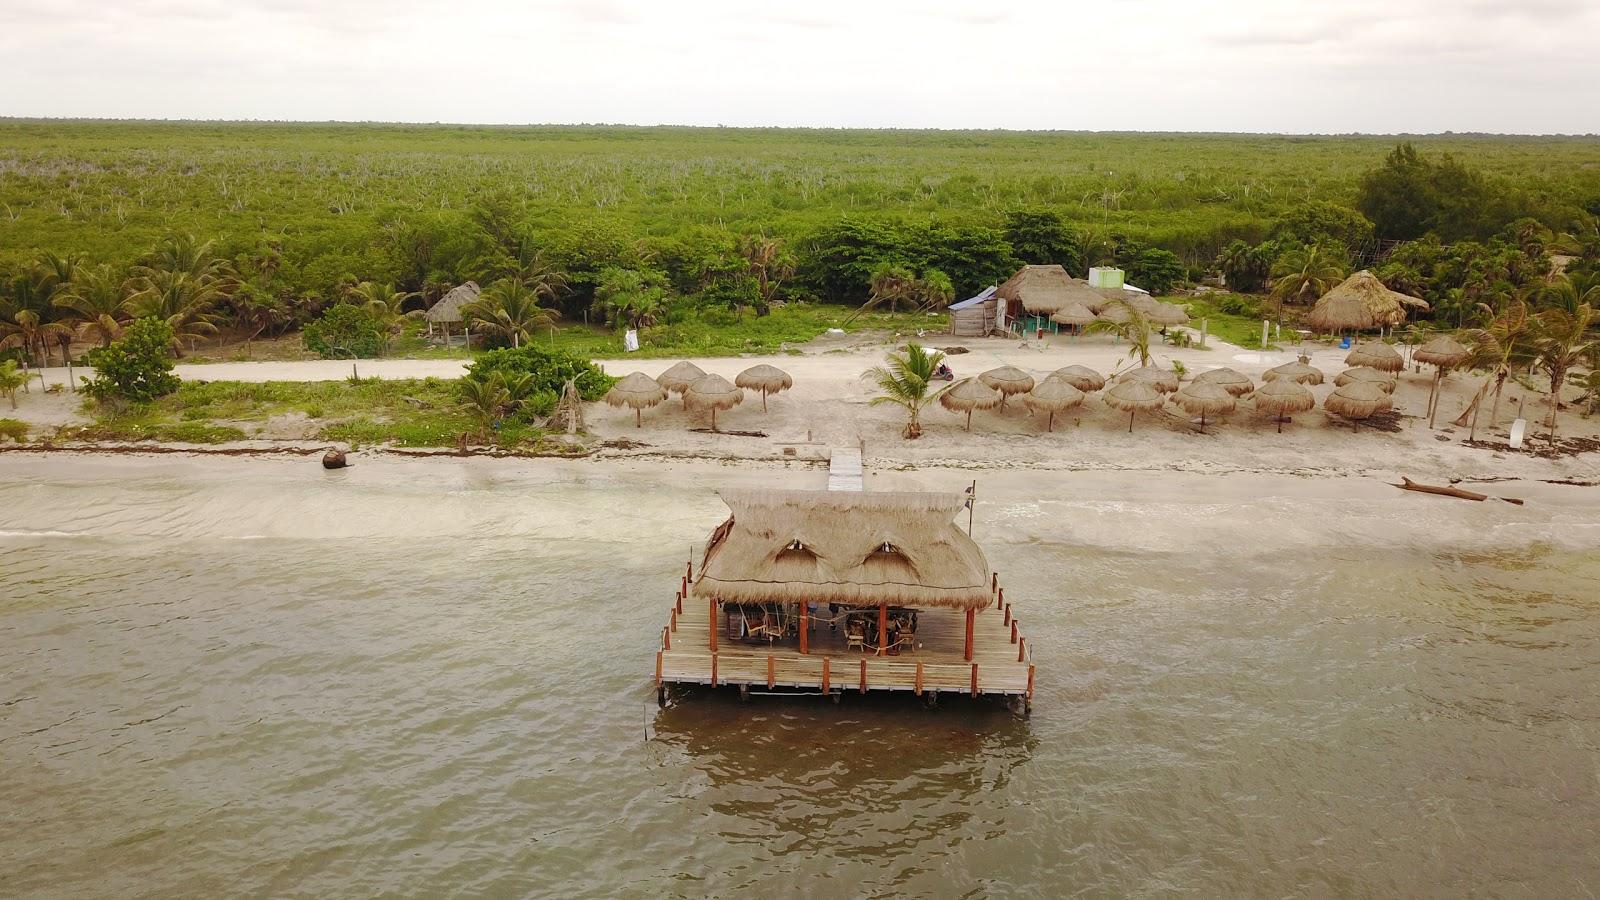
x=1007, y=380
x=889, y=574
x=712, y=392
x=1338, y=311
x=678, y=378
x=639, y=391
x=1377, y=355
x=1081, y=377
x=1357, y=400
x=447, y=311
x=1383, y=306
x=1073, y=315
x=1443, y=352
x=1051, y=396
x=1205, y=398
x=1283, y=398
x=1163, y=380
x=1133, y=395
x=1366, y=375
x=967, y=395
x=1229, y=380
x=765, y=380
x=1300, y=371
x=1042, y=291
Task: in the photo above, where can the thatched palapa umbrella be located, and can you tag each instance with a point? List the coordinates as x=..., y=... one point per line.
x=1377, y=355
x=1132, y=396
x=967, y=395
x=678, y=378
x=712, y=392
x=1229, y=380
x=1051, y=396
x=1203, y=398
x=765, y=379
x=1300, y=372
x=639, y=391
x=1366, y=375
x=1443, y=352
x=1167, y=314
x=1163, y=380
x=1007, y=380
x=1074, y=313
x=1283, y=398
x=1357, y=400
x=1081, y=377
x=1115, y=313
x=1383, y=306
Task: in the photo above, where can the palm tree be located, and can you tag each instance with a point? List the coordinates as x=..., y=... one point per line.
x=934, y=290
x=1571, y=290
x=386, y=305
x=28, y=331
x=185, y=254
x=11, y=378
x=97, y=300
x=906, y=382
x=1305, y=274
x=510, y=309
x=768, y=263
x=178, y=298
x=1561, y=342
x=892, y=285
x=486, y=400
x=1136, y=330
x=54, y=272
x=1501, y=345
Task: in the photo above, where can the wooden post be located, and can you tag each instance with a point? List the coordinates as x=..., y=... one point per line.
x=805, y=626
x=883, y=633
x=863, y=674
x=994, y=581
x=974, y=679
x=1013, y=631
x=1008, y=615
x=690, y=576
x=713, y=670
x=919, y=676
x=1022, y=649
x=712, y=622
x=678, y=601
x=825, y=661
x=666, y=638
x=658, y=669
x=770, y=665
x=1000, y=599
x=1030, y=682
x=674, y=625
x=971, y=616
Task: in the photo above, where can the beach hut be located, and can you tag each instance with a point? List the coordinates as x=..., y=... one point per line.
x=1383, y=306
x=967, y=395
x=1133, y=395
x=1377, y=355
x=1043, y=290
x=765, y=380
x=1357, y=400
x=905, y=598
x=1163, y=380
x=447, y=311
x=1283, y=398
x=1443, y=352
x=678, y=378
x=1007, y=380
x=1366, y=375
x=1229, y=380
x=974, y=316
x=1051, y=396
x=1081, y=377
x=1301, y=372
x=1339, y=311
x=639, y=391
x=1204, y=398
x=712, y=392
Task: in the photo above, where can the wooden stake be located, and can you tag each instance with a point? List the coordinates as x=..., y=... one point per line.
x=974, y=679
x=919, y=679
x=711, y=620
x=971, y=616
x=658, y=670
x=825, y=661
x=805, y=623
x=1030, y=682
x=771, y=664
x=863, y=675
x=883, y=632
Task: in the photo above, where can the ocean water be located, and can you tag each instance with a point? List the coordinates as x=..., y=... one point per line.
x=246, y=676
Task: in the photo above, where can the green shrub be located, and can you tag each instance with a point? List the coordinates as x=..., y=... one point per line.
x=550, y=370
x=13, y=429
x=1239, y=306
x=136, y=368
x=345, y=331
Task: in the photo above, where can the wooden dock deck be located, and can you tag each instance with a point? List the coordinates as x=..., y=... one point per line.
x=1001, y=663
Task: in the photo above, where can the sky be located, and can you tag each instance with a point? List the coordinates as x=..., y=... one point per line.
x=1375, y=66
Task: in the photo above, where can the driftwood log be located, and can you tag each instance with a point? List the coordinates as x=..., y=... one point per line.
x=1407, y=484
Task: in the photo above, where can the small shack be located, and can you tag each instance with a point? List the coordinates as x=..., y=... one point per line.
x=1036, y=292
x=974, y=316
x=447, y=311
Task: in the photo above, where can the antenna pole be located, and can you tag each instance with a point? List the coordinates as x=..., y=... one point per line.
x=972, y=500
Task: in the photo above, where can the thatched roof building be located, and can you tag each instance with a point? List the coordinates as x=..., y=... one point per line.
x=1044, y=290
x=1362, y=298
x=448, y=309
x=859, y=549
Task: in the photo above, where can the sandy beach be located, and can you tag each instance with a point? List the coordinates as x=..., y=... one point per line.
x=829, y=407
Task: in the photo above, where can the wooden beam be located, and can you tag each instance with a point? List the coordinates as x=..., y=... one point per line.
x=974, y=679
x=805, y=627
x=666, y=638
x=825, y=661
x=1022, y=649
x=1030, y=682
x=918, y=687
x=1008, y=615
x=658, y=669
x=1000, y=598
x=883, y=631
x=713, y=670
x=771, y=663
x=712, y=622
x=1407, y=484
x=674, y=625
x=967, y=653
x=863, y=674
x=1013, y=631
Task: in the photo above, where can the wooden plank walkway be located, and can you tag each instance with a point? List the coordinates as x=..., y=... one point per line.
x=844, y=469
x=1002, y=661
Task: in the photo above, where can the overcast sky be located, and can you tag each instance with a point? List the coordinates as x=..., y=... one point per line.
x=1527, y=66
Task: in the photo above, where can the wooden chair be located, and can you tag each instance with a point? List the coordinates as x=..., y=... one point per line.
x=855, y=637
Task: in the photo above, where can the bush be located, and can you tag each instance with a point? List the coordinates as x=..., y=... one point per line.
x=14, y=429
x=136, y=368
x=345, y=331
x=1239, y=306
x=550, y=370
x=1154, y=269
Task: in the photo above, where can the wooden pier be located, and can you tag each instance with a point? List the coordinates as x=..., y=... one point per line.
x=999, y=662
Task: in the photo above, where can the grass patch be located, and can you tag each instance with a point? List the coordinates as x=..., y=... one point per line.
x=14, y=429
x=1234, y=327
x=722, y=333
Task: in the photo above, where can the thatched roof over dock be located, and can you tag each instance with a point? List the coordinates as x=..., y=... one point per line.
x=900, y=548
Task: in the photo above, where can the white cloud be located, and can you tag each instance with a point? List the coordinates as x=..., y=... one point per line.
x=1254, y=65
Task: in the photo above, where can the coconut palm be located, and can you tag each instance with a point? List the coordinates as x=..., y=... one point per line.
x=1561, y=341
x=97, y=301
x=486, y=400
x=1501, y=345
x=906, y=381
x=892, y=285
x=1571, y=290
x=768, y=263
x=934, y=290
x=54, y=272
x=1303, y=274
x=508, y=308
x=11, y=378
x=1133, y=326
x=27, y=330
x=187, y=255
x=386, y=305
x=181, y=299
